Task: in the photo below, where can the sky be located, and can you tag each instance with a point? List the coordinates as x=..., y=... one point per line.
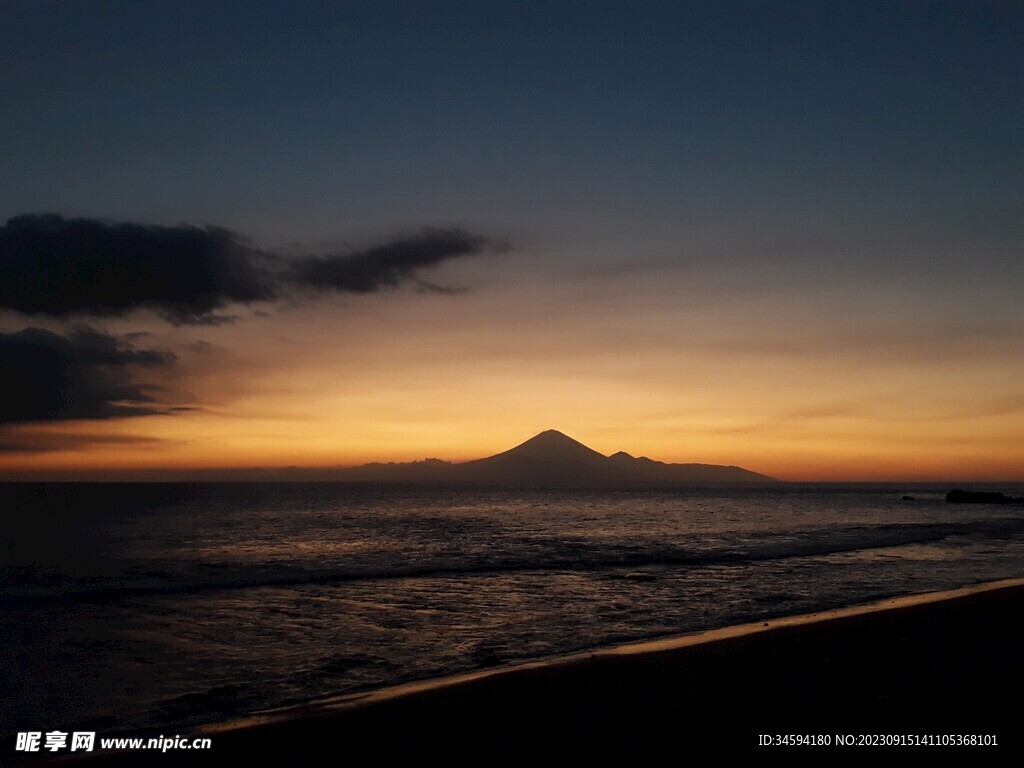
x=780, y=235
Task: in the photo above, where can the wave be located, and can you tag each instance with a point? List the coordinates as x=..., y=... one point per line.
x=555, y=556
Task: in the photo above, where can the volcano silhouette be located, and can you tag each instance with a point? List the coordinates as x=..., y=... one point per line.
x=552, y=459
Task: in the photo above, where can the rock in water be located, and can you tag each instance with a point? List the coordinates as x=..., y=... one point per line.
x=957, y=496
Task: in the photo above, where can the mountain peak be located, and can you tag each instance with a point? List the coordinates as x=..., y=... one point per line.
x=552, y=435
x=552, y=445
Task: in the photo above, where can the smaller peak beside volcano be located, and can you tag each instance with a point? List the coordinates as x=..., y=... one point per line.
x=628, y=459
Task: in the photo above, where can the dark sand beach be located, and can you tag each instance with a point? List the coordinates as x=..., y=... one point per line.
x=935, y=666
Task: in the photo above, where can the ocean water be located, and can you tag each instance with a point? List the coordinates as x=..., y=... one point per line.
x=164, y=605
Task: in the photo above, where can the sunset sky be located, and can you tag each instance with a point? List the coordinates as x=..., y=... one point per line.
x=786, y=236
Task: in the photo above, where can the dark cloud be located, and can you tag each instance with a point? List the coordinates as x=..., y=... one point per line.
x=383, y=266
x=87, y=374
x=61, y=267
x=54, y=266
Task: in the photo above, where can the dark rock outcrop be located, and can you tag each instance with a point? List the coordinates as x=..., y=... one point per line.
x=957, y=496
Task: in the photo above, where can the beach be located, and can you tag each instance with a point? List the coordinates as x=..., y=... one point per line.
x=928, y=672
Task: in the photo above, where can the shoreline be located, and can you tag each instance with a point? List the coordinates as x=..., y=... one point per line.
x=915, y=664
x=349, y=701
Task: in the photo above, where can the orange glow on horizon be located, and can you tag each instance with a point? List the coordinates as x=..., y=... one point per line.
x=634, y=373
x=192, y=443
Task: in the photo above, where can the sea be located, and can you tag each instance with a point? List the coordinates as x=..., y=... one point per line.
x=162, y=606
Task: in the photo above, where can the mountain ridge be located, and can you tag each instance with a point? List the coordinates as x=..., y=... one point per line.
x=553, y=459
